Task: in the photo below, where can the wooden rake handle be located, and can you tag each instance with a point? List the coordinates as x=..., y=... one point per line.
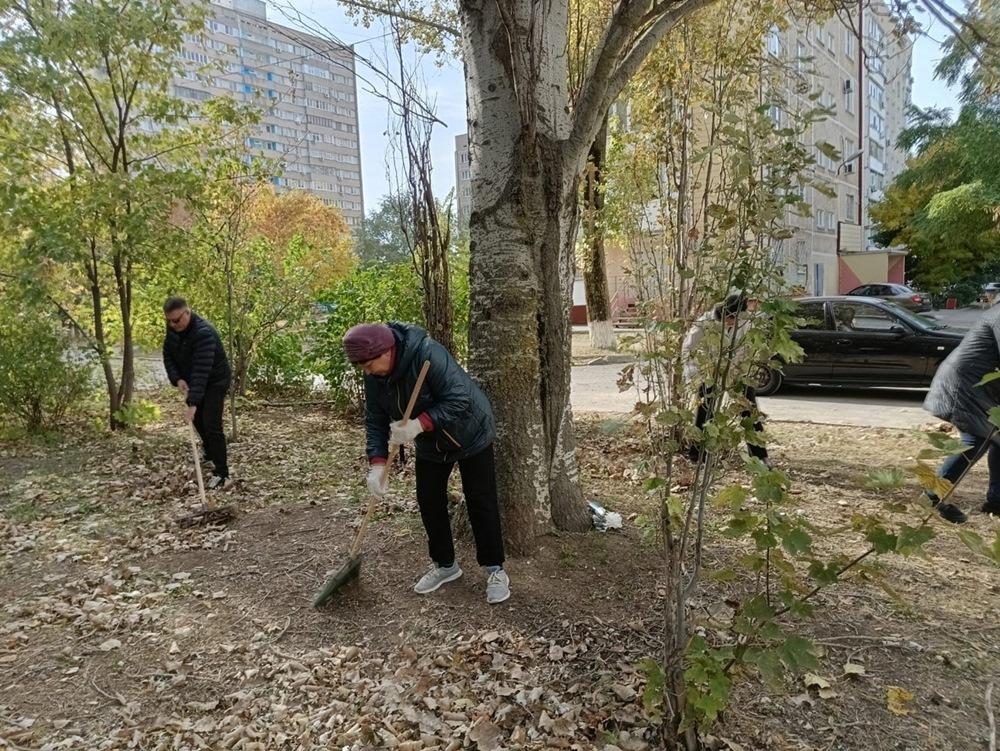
x=197, y=461
x=393, y=453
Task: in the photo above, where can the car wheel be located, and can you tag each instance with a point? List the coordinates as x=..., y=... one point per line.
x=767, y=380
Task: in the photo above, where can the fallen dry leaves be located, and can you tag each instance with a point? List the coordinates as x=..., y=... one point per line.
x=111, y=637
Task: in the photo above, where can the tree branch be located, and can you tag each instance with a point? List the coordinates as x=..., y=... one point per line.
x=614, y=66
x=316, y=29
x=403, y=16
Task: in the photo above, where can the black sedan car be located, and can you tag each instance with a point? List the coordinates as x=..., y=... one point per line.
x=862, y=341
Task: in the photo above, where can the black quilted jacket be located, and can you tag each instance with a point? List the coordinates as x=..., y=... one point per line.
x=196, y=355
x=462, y=415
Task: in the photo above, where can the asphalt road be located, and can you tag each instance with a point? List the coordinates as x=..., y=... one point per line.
x=595, y=390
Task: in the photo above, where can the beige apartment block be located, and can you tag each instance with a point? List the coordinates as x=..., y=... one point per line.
x=305, y=86
x=860, y=62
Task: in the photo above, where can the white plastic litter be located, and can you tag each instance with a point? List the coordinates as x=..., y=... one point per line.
x=604, y=519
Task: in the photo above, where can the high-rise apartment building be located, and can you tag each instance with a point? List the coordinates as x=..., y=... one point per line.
x=305, y=87
x=463, y=181
x=860, y=62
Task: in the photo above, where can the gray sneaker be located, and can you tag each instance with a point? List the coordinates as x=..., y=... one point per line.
x=497, y=587
x=436, y=577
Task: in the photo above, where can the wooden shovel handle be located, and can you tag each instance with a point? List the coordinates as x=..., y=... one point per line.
x=394, y=448
x=393, y=453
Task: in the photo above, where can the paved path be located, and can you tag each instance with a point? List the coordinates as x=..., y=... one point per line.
x=594, y=390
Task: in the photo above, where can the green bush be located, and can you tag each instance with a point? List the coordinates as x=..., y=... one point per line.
x=281, y=365
x=138, y=413
x=41, y=377
x=376, y=293
x=965, y=293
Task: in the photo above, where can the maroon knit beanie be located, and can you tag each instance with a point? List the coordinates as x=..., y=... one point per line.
x=366, y=341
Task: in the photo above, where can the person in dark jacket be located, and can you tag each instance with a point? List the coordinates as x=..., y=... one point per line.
x=452, y=424
x=956, y=396
x=196, y=363
x=718, y=334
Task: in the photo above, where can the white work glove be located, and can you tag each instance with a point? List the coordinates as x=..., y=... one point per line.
x=375, y=480
x=400, y=434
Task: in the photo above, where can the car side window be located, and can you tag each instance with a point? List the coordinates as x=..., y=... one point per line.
x=813, y=316
x=843, y=316
x=863, y=290
x=862, y=318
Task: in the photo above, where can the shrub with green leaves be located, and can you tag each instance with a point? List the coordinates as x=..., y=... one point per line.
x=376, y=293
x=138, y=413
x=281, y=365
x=41, y=378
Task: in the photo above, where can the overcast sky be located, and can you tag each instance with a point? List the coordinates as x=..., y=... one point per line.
x=447, y=88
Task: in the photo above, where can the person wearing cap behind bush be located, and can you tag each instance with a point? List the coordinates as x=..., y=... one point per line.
x=702, y=343
x=453, y=424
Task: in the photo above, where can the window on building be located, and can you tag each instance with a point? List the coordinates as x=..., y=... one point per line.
x=800, y=57
x=876, y=94
x=849, y=40
x=850, y=204
x=877, y=123
x=774, y=42
x=195, y=57
x=824, y=161
x=187, y=93
x=818, y=283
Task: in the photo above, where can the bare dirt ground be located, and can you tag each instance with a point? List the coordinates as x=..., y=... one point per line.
x=120, y=631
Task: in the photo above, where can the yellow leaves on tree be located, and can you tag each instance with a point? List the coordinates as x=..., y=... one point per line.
x=281, y=219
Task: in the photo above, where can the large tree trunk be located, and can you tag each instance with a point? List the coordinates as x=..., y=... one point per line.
x=522, y=228
x=595, y=274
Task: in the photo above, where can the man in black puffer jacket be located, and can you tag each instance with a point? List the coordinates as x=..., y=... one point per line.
x=452, y=424
x=196, y=364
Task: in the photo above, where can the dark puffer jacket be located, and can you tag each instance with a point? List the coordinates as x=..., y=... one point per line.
x=460, y=411
x=196, y=354
x=954, y=395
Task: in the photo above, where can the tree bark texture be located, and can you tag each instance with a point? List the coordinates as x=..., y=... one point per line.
x=528, y=149
x=521, y=270
x=595, y=273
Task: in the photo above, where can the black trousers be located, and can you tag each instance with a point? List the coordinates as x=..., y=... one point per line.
x=208, y=423
x=480, y=488
x=706, y=408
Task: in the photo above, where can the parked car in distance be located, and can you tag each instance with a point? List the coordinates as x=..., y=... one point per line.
x=861, y=341
x=897, y=293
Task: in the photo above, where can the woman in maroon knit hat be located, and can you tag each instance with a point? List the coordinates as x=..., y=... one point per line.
x=453, y=425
